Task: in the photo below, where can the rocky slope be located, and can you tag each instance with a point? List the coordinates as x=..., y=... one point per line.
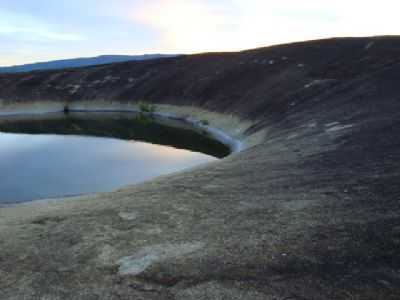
x=308, y=211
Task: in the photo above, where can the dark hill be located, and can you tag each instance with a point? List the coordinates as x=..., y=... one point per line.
x=80, y=62
x=250, y=83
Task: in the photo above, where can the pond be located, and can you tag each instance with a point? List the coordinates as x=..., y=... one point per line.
x=60, y=155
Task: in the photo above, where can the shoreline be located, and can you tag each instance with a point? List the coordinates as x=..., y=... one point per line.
x=234, y=144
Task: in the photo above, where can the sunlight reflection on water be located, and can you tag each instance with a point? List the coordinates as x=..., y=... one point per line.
x=45, y=166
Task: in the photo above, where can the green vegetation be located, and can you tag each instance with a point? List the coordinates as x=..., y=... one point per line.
x=204, y=122
x=145, y=107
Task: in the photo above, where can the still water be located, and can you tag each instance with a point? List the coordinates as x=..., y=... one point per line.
x=38, y=166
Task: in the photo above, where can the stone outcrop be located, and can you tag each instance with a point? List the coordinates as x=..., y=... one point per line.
x=308, y=210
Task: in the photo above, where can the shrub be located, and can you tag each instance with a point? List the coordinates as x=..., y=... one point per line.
x=145, y=107
x=204, y=122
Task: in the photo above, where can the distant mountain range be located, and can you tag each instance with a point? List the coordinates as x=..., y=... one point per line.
x=81, y=62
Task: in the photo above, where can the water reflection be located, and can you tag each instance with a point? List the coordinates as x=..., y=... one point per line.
x=37, y=166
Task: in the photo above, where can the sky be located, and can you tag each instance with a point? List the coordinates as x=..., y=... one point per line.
x=42, y=30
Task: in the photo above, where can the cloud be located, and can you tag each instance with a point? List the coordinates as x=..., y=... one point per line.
x=200, y=25
x=185, y=26
x=26, y=28
x=43, y=30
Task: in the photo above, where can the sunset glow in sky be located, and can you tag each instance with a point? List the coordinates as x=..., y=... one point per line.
x=41, y=30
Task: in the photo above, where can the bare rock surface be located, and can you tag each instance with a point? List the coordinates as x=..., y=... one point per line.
x=139, y=262
x=308, y=211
